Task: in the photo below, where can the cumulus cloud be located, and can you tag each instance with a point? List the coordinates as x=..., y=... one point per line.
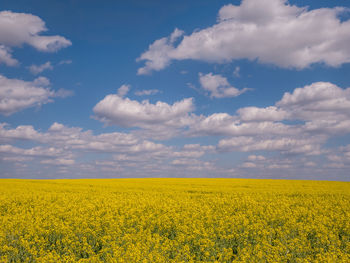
x=6, y=56
x=270, y=31
x=300, y=123
x=63, y=146
x=271, y=113
x=317, y=97
x=35, y=151
x=36, y=69
x=224, y=124
x=319, y=108
x=280, y=166
x=22, y=132
x=218, y=86
x=323, y=106
x=42, y=154
x=16, y=95
x=295, y=145
x=157, y=55
x=295, y=128
x=74, y=138
x=17, y=29
x=124, y=112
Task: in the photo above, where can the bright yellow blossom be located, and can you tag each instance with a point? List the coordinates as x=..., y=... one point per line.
x=174, y=220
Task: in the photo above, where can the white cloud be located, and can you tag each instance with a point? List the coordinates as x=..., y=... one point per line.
x=63, y=93
x=6, y=57
x=45, y=155
x=146, y=146
x=75, y=138
x=129, y=155
x=123, y=90
x=17, y=29
x=68, y=146
x=193, y=151
x=324, y=106
x=317, y=97
x=193, y=165
x=16, y=95
x=35, y=151
x=270, y=31
x=308, y=145
x=248, y=165
x=22, y=132
x=36, y=69
x=291, y=166
x=297, y=127
x=218, y=86
x=58, y=161
x=224, y=124
x=320, y=108
x=300, y=123
x=130, y=113
x=279, y=166
x=215, y=124
x=271, y=113
x=339, y=157
x=146, y=92
x=157, y=55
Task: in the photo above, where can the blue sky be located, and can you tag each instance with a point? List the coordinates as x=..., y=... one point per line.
x=252, y=89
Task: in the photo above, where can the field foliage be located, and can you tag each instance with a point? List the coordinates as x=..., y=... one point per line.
x=174, y=220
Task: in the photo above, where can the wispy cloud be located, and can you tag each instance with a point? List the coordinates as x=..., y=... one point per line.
x=146, y=92
x=37, y=69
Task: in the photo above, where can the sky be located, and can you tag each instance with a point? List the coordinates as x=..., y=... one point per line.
x=201, y=88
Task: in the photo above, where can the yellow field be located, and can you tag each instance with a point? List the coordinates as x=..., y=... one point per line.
x=174, y=220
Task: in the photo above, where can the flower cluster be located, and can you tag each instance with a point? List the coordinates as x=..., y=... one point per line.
x=174, y=220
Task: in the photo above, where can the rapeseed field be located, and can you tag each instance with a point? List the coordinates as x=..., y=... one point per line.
x=174, y=220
